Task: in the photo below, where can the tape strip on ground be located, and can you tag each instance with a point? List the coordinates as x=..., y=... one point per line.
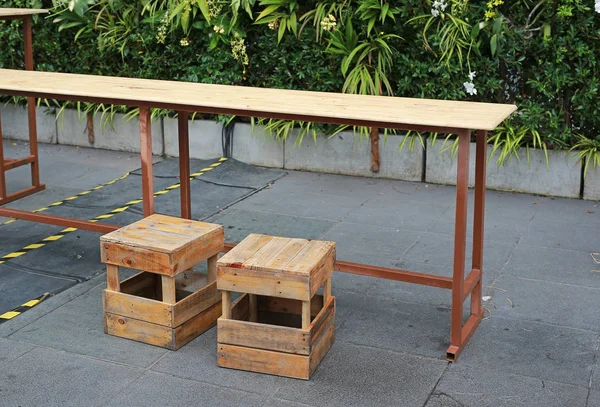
x=53, y=238
x=7, y=316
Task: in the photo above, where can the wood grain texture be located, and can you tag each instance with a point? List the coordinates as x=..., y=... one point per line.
x=372, y=111
x=263, y=283
x=196, y=326
x=20, y=12
x=195, y=304
x=263, y=361
x=169, y=295
x=288, y=306
x=145, y=309
x=137, y=330
x=263, y=336
x=112, y=277
x=321, y=347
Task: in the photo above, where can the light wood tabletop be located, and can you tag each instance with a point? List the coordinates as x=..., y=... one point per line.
x=20, y=12
x=374, y=111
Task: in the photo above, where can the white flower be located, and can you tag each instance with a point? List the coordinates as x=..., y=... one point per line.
x=435, y=12
x=440, y=4
x=472, y=75
x=470, y=88
x=597, y=6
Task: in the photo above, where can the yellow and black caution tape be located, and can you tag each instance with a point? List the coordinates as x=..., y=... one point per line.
x=71, y=198
x=110, y=214
x=21, y=309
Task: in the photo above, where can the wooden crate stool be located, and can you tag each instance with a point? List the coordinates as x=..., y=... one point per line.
x=279, y=325
x=167, y=304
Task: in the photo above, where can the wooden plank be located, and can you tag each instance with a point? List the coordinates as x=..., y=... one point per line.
x=366, y=110
x=243, y=250
x=263, y=283
x=321, y=348
x=263, y=336
x=20, y=12
x=322, y=322
x=252, y=308
x=289, y=306
x=266, y=253
x=195, y=303
x=279, y=260
x=211, y=265
x=112, y=277
x=200, y=249
x=169, y=295
x=139, y=259
x=135, y=307
x=137, y=330
x=196, y=326
x=263, y=361
x=305, y=314
x=315, y=253
x=226, y=304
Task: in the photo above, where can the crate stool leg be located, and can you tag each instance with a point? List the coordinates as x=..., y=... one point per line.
x=305, y=314
x=327, y=290
x=212, y=268
x=226, y=304
x=112, y=278
x=168, y=290
x=252, y=308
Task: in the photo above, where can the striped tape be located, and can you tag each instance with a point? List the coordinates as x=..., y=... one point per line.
x=21, y=309
x=110, y=214
x=71, y=198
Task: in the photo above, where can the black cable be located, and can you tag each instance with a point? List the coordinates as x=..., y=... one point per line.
x=227, y=139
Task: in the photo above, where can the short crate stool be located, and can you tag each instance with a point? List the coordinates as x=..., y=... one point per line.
x=167, y=304
x=279, y=325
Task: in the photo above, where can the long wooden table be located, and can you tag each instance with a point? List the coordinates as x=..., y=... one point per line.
x=454, y=117
x=7, y=164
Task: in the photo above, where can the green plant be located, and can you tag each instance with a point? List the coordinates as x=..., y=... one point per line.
x=587, y=151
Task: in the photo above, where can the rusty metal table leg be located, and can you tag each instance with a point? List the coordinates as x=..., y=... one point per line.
x=184, y=165
x=146, y=154
x=33, y=146
x=2, y=174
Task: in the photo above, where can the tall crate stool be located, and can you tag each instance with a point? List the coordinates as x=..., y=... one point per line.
x=166, y=304
x=279, y=325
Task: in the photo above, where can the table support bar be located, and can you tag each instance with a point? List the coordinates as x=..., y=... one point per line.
x=58, y=220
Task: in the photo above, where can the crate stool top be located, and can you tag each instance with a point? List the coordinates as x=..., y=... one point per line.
x=279, y=325
x=164, y=305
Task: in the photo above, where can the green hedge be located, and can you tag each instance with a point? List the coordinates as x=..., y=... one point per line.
x=543, y=55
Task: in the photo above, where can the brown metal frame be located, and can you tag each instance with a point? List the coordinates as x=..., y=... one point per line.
x=32, y=159
x=462, y=288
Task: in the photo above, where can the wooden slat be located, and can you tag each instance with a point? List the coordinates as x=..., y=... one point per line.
x=288, y=306
x=112, y=277
x=168, y=290
x=195, y=303
x=196, y=326
x=322, y=321
x=263, y=336
x=373, y=111
x=311, y=257
x=279, y=260
x=320, y=348
x=243, y=250
x=263, y=361
x=266, y=253
x=137, y=330
x=135, y=307
x=136, y=258
x=263, y=283
x=140, y=284
x=20, y=12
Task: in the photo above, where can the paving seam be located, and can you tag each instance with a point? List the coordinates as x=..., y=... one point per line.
x=71, y=198
x=53, y=238
x=22, y=308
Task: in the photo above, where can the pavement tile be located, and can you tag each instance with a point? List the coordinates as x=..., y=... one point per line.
x=568, y=236
x=305, y=204
x=486, y=386
x=553, y=264
x=276, y=402
x=352, y=375
x=78, y=327
x=46, y=377
x=438, y=250
x=11, y=350
x=594, y=399
x=543, y=301
x=355, y=283
x=398, y=326
x=547, y=352
x=392, y=211
x=240, y=223
x=359, y=242
x=573, y=211
x=157, y=389
x=198, y=361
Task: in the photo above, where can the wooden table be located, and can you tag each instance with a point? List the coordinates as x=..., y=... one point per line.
x=459, y=118
x=32, y=159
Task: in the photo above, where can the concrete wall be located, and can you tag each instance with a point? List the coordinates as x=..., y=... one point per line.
x=561, y=178
x=342, y=154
